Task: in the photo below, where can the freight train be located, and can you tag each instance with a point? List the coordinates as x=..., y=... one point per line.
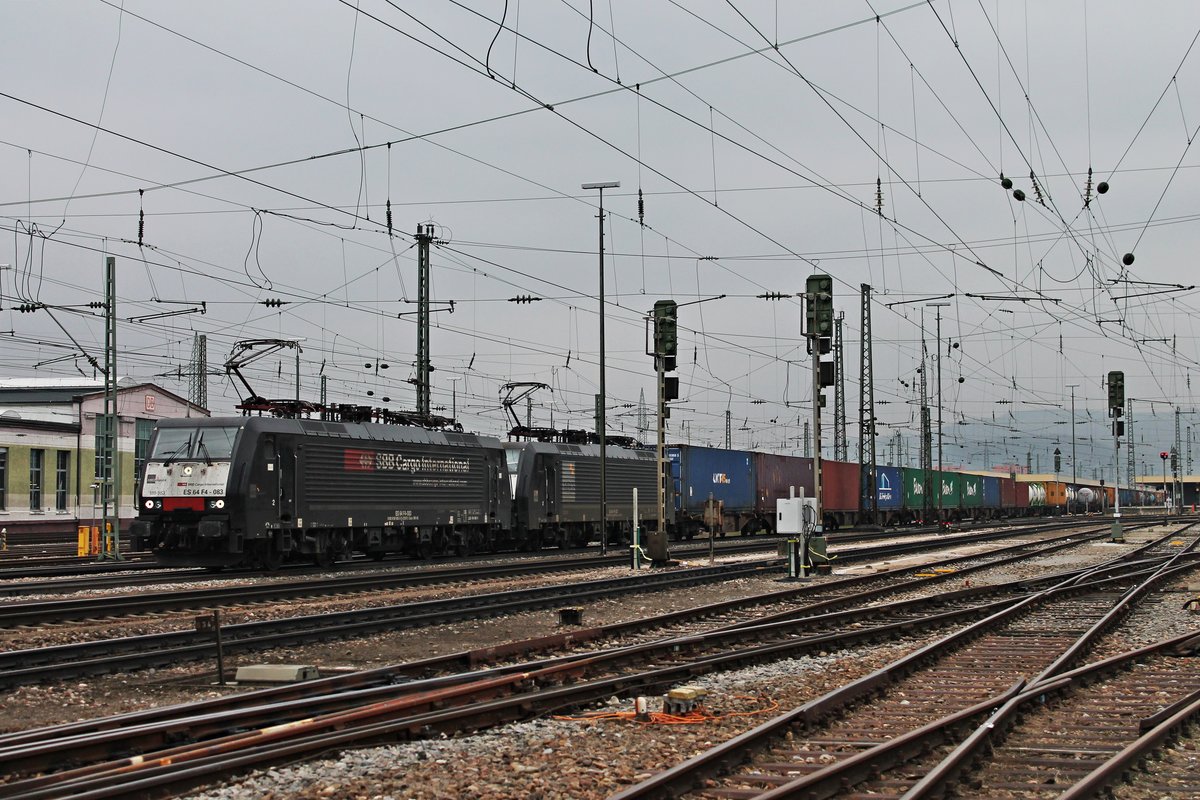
x=737, y=490
x=258, y=491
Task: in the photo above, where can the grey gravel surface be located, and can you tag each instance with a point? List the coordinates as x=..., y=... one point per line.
x=572, y=759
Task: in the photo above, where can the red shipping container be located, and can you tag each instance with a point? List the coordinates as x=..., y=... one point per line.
x=839, y=486
x=1022, y=495
x=1008, y=493
x=776, y=475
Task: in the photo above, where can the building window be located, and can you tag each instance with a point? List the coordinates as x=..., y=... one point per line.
x=62, y=470
x=141, y=448
x=3, y=478
x=37, y=459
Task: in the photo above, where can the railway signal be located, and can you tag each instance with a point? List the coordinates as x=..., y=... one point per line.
x=818, y=313
x=1116, y=393
x=818, y=296
x=1116, y=409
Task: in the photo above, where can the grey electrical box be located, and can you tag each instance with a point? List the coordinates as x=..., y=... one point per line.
x=789, y=515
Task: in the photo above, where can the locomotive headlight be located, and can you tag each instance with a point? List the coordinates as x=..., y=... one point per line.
x=187, y=470
x=218, y=503
x=149, y=504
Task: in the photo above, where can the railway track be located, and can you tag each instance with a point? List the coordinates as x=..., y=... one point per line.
x=47, y=612
x=163, y=649
x=911, y=729
x=352, y=710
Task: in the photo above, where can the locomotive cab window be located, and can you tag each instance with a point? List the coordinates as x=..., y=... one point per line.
x=212, y=444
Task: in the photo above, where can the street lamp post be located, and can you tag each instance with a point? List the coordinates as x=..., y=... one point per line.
x=601, y=416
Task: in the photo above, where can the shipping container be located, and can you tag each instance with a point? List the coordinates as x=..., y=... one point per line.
x=991, y=492
x=1021, y=495
x=972, y=491
x=703, y=472
x=914, y=489
x=776, y=476
x=889, y=488
x=1008, y=493
x=839, y=486
x=951, y=484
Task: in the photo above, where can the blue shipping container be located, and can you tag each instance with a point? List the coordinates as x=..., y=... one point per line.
x=726, y=475
x=991, y=492
x=889, y=488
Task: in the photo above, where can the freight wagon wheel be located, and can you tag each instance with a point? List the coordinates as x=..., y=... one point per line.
x=425, y=549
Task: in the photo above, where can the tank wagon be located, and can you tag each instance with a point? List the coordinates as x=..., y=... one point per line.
x=258, y=491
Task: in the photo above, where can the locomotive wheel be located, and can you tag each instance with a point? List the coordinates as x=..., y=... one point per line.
x=324, y=558
x=466, y=547
x=271, y=559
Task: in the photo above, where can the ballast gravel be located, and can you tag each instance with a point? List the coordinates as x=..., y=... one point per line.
x=554, y=759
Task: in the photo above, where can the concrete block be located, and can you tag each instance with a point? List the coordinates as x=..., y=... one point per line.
x=277, y=673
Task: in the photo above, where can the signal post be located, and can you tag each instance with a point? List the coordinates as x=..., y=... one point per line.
x=818, y=306
x=1116, y=408
x=666, y=346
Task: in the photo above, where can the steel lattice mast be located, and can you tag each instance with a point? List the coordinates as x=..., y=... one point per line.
x=198, y=386
x=868, y=494
x=840, y=445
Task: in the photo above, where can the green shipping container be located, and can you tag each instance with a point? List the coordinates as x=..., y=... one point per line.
x=914, y=488
x=951, y=484
x=972, y=491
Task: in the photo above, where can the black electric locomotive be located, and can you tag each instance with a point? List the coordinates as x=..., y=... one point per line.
x=257, y=491
x=556, y=491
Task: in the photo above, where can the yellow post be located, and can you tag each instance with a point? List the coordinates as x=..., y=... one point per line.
x=94, y=548
x=83, y=545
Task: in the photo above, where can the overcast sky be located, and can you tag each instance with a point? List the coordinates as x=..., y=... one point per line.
x=755, y=132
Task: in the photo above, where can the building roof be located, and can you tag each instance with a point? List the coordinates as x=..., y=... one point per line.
x=24, y=393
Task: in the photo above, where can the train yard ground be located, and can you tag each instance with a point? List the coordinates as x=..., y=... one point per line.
x=759, y=646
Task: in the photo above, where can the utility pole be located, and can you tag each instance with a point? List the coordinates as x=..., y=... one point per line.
x=110, y=459
x=642, y=420
x=926, y=434
x=1074, y=469
x=424, y=238
x=938, y=308
x=1130, y=444
x=869, y=492
x=602, y=404
x=1178, y=483
x=840, y=445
